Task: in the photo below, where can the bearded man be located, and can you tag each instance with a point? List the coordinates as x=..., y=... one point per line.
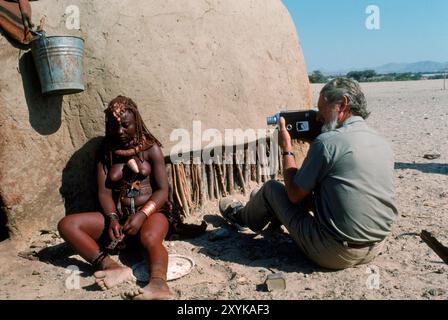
x=347, y=177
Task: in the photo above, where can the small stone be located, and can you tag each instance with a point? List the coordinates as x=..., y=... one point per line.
x=275, y=281
x=35, y=273
x=431, y=156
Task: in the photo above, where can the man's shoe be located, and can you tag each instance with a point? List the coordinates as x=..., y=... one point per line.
x=229, y=209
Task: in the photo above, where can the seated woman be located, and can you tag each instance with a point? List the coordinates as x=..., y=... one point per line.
x=132, y=189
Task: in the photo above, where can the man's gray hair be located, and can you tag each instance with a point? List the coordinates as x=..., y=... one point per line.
x=334, y=90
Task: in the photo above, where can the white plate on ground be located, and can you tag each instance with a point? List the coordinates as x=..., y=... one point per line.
x=178, y=266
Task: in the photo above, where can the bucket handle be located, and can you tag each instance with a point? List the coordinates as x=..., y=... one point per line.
x=42, y=36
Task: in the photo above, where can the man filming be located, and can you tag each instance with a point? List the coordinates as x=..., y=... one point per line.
x=347, y=176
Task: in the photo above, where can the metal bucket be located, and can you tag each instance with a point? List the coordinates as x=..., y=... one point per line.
x=59, y=64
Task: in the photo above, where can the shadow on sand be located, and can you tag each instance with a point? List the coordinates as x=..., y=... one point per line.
x=273, y=250
x=438, y=168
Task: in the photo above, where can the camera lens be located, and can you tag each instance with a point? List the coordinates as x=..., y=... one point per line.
x=272, y=120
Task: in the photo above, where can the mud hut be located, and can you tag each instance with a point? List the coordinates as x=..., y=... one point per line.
x=224, y=64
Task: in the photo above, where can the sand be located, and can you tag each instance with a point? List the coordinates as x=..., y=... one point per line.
x=413, y=116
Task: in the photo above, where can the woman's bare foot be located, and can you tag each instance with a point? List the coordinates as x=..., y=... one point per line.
x=113, y=274
x=157, y=289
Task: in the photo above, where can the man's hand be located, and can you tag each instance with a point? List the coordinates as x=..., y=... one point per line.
x=284, y=139
x=295, y=194
x=115, y=229
x=134, y=223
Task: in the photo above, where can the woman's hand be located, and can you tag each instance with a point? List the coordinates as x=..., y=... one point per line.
x=115, y=229
x=134, y=223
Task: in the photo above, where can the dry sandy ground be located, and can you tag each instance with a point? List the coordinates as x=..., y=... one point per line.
x=412, y=115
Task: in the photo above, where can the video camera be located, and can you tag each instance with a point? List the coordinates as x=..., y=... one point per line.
x=301, y=125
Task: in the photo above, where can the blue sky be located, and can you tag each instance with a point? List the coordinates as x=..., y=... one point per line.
x=334, y=36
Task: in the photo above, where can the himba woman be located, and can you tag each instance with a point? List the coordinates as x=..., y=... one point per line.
x=132, y=190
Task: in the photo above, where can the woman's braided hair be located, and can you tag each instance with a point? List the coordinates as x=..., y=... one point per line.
x=143, y=138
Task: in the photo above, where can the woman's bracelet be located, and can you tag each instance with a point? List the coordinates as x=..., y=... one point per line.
x=113, y=216
x=149, y=208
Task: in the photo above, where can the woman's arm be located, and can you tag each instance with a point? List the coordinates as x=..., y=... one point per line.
x=104, y=193
x=160, y=194
x=107, y=203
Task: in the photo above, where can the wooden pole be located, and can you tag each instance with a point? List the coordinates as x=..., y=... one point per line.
x=203, y=176
x=229, y=178
x=444, y=80
x=187, y=185
x=183, y=197
x=169, y=174
x=246, y=166
x=196, y=188
x=220, y=179
x=224, y=172
x=176, y=188
x=211, y=181
x=216, y=184
x=198, y=183
x=240, y=176
x=253, y=172
x=187, y=179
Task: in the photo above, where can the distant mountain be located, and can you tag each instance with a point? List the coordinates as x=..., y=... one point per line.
x=421, y=66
